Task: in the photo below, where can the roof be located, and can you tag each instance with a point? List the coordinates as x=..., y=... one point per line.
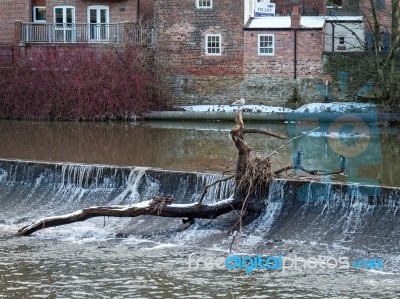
x=315, y=22
x=355, y=19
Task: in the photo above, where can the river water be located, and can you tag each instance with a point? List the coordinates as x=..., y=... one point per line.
x=203, y=146
x=91, y=260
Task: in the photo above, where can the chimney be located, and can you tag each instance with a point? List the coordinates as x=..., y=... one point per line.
x=295, y=18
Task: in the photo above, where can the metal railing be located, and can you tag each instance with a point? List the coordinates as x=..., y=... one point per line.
x=87, y=33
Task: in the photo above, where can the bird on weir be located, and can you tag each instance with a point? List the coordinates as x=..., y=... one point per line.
x=239, y=103
x=299, y=160
x=343, y=164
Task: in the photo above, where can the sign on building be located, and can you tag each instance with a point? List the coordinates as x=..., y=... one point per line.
x=264, y=10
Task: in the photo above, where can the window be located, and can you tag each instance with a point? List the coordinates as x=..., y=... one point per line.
x=341, y=40
x=384, y=41
x=213, y=44
x=39, y=13
x=98, y=19
x=334, y=3
x=64, y=18
x=64, y=14
x=203, y=3
x=379, y=4
x=266, y=44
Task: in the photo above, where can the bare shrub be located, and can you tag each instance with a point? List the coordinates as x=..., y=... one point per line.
x=82, y=82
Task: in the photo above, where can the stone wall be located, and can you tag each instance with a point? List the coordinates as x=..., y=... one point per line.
x=350, y=76
x=257, y=89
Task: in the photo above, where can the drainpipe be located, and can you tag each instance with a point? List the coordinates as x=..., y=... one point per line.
x=295, y=55
x=295, y=20
x=333, y=37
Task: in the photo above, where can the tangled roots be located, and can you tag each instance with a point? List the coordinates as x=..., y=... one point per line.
x=258, y=174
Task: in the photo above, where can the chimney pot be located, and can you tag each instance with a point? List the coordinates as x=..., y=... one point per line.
x=295, y=18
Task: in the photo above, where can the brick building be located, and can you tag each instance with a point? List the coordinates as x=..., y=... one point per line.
x=305, y=7
x=89, y=11
x=219, y=51
x=362, y=8
x=222, y=49
x=68, y=12
x=288, y=47
x=201, y=36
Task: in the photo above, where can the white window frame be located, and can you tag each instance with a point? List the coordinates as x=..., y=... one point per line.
x=35, y=15
x=64, y=7
x=65, y=32
x=207, y=48
x=259, y=45
x=101, y=30
x=97, y=8
x=200, y=4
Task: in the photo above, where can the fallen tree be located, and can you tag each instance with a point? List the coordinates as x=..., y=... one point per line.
x=252, y=176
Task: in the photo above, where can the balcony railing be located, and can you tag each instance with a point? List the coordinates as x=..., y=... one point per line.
x=87, y=33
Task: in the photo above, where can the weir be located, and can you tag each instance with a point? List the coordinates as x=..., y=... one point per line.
x=324, y=212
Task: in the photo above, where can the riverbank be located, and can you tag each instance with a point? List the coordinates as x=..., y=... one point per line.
x=326, y=112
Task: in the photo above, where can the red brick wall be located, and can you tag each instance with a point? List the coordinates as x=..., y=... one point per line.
x=281, y=64
x=146, y=9
x=306, y=7
x=384, y=15
x=182, y=29
x=120, y=11
x=11, y=10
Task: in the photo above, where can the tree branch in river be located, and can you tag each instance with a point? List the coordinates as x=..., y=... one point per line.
x=253, y=174
x=150, y=207
x=247, y=169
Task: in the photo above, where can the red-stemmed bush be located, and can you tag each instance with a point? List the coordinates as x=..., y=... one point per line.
x=82, y=82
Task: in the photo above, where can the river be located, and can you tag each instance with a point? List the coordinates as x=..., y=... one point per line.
x=91, y=260
x=202, y=146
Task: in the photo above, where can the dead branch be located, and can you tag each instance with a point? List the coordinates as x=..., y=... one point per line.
x=210, y=211
x=309, y=171
x=264, y=132
x=283, y=169
x=291, y=140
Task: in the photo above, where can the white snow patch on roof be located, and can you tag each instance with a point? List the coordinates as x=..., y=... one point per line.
x=343, y=18
x=284, y=22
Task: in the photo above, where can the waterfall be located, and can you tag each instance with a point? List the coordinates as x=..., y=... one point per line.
x=216, y=192
x=353, y=215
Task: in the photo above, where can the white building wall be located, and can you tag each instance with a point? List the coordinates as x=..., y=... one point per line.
x=352, y=33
